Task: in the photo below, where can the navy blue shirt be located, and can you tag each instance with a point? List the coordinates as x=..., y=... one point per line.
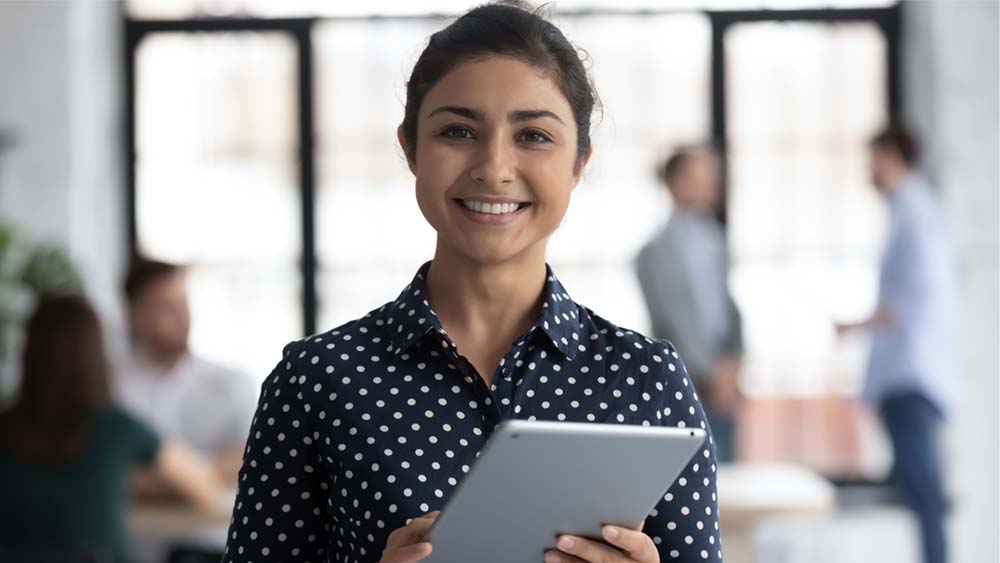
x=361, y=429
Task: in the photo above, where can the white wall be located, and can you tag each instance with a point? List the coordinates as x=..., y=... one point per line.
x=60, y=92
x=950, y=78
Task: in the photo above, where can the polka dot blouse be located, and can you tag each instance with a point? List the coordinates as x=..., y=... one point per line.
x=360, y=429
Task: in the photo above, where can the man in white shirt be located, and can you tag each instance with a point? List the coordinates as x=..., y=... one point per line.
x=180, y=395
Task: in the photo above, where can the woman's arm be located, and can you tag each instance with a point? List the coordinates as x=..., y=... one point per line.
x=281, y=505
x=685, y=523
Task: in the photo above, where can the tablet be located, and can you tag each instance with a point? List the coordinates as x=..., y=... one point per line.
x=536, y=480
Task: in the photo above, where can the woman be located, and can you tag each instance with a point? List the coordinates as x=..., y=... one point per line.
x=362, y=429
x=66, y=453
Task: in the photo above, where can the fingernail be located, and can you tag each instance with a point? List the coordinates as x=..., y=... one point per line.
x=611, y=531
x=552, y=557
x=565, y=542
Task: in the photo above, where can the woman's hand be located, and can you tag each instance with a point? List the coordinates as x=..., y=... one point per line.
x=406, y=545
x=637, y=548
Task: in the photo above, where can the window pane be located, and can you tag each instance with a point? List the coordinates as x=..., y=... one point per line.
x=371, y=237
x=805, y=224
x=217, y=185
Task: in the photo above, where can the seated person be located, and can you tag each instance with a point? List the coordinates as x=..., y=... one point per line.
x=162, y=383
x=66, y=451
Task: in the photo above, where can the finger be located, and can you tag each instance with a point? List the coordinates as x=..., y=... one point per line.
x=637, y=544
x=415, y=530
x=556, y=556
x=412, y=532
x=428, y=516
x=408, y=553
x=589, y=550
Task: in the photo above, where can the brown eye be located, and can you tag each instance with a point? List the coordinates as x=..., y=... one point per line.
x=457, y=133
x=534, y=137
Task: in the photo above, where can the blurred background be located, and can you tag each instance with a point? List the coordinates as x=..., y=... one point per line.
x=253, y=139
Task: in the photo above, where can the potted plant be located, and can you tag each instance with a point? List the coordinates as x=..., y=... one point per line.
x=27, y=272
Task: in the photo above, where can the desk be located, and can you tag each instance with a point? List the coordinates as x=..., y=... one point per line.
x=750, y=493
x=157, y=527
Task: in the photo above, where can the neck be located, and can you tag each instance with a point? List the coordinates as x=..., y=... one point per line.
x=698, y=210
x=895, y=177
x=500, y=299
x=163, y=360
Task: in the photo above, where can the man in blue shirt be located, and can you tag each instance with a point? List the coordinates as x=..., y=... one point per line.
x=911, y=371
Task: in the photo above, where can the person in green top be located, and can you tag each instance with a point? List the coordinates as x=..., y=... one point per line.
x=67, y=453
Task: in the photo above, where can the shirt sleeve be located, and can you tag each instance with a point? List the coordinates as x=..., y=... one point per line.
x=661, y=294
x=280, y=503
x=143, y=443
x=684, y=524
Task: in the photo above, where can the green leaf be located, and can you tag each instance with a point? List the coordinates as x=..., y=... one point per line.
x=48, y=271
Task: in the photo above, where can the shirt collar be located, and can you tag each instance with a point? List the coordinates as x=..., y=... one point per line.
x=410, y=316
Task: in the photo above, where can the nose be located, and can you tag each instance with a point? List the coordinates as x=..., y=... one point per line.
x=495, y=163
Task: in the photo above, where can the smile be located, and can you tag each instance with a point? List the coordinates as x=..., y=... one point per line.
x=488, y=208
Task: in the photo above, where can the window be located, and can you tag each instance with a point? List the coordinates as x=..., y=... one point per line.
x=805, y=225
x=217, y=185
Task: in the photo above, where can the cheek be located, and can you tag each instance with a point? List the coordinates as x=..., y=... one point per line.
x=437, y=170
x=552, y=185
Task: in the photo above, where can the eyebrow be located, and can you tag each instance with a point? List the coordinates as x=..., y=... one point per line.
x=515, y=116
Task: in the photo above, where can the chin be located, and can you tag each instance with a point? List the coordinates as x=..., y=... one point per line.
x=490, y=257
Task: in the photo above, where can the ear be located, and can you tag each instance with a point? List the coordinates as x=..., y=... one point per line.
x=410, y=162
x=581, y=165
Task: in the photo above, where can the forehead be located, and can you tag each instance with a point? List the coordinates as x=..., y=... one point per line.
x=497, y=85
x=166, y=285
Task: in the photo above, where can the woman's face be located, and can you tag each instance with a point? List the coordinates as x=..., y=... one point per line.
x=495, y=160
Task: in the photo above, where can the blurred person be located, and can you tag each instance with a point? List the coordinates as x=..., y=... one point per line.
x=66, y=451
x=683, y=273
x=162, y=383
x=912, y=369
x=365, y=430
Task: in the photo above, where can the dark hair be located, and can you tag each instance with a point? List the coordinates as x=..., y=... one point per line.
x=505, y=29
x=670, y=170
x=64, y=381
x=143, y=272
x=898, y=138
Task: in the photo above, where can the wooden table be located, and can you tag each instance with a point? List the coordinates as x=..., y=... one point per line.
x=157, y=527
x=750, y=493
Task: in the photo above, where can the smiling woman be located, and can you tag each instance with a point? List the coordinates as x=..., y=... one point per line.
x=361, y=431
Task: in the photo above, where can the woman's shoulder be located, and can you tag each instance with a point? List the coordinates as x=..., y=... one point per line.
x=655, y=363
x=628, y=342
x=114, y=419
x=339, y=349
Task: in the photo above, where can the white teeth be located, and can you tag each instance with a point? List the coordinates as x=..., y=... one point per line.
x=490, y=208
